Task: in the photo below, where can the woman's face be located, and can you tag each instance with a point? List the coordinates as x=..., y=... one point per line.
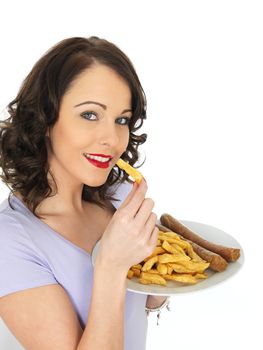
x=90, y=128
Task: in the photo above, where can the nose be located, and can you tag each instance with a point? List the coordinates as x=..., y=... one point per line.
x=110, y=135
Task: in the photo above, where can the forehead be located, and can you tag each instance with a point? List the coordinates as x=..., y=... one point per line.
x=102, y=83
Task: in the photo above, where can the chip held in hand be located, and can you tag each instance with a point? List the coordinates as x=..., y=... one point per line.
x=134, y=173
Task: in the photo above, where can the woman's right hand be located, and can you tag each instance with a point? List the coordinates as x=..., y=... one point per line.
x=131, y=235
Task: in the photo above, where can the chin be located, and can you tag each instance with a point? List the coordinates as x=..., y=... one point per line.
x=95, y=183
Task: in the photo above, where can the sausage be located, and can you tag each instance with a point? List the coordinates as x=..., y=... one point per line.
x=217, y=263
x=229, y=254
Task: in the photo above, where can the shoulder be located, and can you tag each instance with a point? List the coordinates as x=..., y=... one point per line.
x=10, y=226
x=22, y=265
x=15, y=222
x=15, y=239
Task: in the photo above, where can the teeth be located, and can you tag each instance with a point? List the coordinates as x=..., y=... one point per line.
x=100, y=159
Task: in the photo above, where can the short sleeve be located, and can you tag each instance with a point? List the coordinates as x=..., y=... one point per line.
x=21, y=264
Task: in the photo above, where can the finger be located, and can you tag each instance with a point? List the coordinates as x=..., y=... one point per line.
x=144, y=212
x=136, y=199
x=154, y=237
x=149, y=226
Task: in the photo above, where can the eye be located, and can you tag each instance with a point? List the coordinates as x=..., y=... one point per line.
x=126, y=120
x=87, y=115
x=122, y=120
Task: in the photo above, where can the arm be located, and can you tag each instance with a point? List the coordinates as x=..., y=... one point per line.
x=44, y=318
x=105, y=326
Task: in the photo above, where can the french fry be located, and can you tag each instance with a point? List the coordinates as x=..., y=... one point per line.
x=183, y=278
x=170, y=234
x=149, y=264
x=169, y=258
x=153, y=271
x=189, y=250
x=169, y=269
x=138, y=266
x=153, y=278
x=178, y=248
x=200, y=275
x=134, y=173
x=173, y=259
x=194, y=266
x=136, y=272
x=130, y=274
x=196, y=257
x=168, y=239
x=172, y=248
x=162, y=269
x=157, y=251
x=180, y=268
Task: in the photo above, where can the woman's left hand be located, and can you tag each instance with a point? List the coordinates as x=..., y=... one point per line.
x=154, y=301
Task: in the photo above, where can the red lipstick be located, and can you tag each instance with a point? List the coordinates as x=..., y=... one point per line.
x=98, y=164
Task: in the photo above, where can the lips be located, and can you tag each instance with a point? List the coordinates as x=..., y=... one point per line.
x=97, y=163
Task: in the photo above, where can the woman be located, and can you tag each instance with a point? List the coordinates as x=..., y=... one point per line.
x=75, y=115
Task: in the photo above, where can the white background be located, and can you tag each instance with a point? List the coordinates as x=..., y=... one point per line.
x=201, y=66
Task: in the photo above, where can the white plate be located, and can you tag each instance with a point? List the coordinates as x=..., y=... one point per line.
x=208, y=232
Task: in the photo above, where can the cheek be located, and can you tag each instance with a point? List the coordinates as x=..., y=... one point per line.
x=67, y=139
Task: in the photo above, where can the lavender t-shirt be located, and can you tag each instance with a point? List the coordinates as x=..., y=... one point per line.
x=33, y=255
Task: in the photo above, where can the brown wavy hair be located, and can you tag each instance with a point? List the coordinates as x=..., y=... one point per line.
x=23, y=151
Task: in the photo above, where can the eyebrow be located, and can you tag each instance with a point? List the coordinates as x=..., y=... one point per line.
x=100, y=104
